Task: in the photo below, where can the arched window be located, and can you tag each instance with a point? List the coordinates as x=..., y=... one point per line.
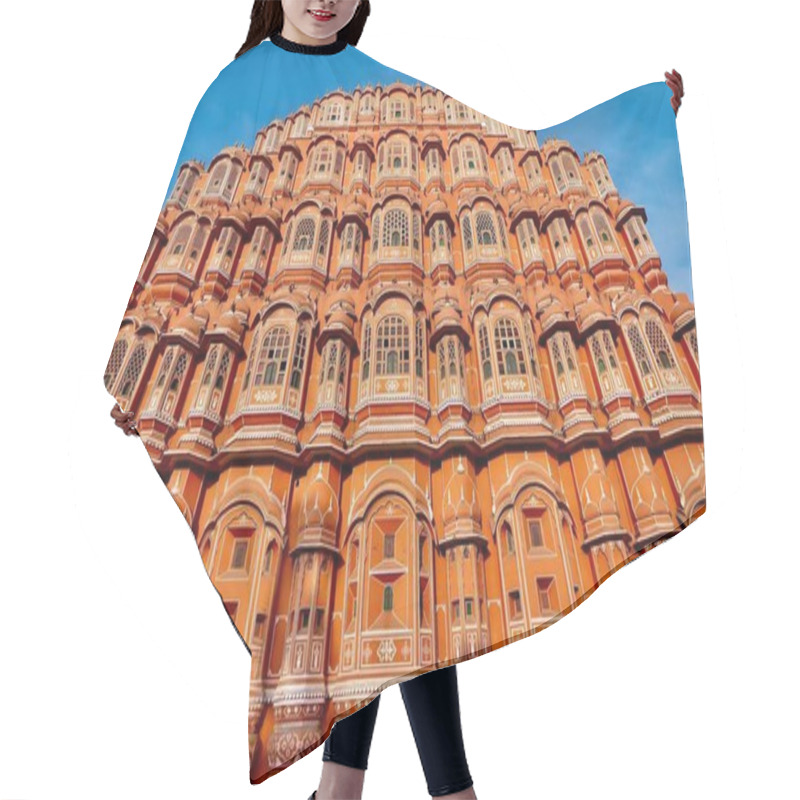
x=215, y=374
x=217, y=178
x=388, y=598
x=224, y=179
x=642, y=358
x=299, y=358
x=419, y=345
x=508, y=539
x=184, y=186
x=395, y=228
x=393, y=343
x=485, y=225
x=115, y=362
x=260, y=249
x=563, y=356
x=486, y=358
x=450, y=359
x=603, y=230
x=170, y=378
x=640, y=351
x=304, y=236
x=376, y=229
x=466, y=227
x=273, y=357
x=133, y=371
x=658, y=343
x=366, y=351
x=529, y=245
x=508, y=348
x=664, y=356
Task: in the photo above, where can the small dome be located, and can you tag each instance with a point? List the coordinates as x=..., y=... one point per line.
x=460, y=501
x=192, y=320
x=681, y=309
x=320, y=508
x=550, y=307
x=436, y=206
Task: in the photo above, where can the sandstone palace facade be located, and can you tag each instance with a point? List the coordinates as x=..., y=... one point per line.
x=418, y=384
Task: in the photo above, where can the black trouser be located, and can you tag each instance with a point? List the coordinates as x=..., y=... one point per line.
x=431, y=701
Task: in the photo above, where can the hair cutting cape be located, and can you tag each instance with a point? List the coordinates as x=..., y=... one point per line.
x=419, y=381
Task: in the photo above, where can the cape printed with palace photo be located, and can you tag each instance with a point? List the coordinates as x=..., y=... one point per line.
x=419, y=381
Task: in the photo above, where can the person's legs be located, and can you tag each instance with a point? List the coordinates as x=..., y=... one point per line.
x=346, y=753
x=432, y=705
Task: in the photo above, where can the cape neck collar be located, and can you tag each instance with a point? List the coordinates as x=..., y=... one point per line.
x=312, y=49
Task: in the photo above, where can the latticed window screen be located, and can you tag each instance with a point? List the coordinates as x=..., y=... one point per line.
x=165, y=365
x=115, y=361
x=324, y=157
x=527, y=238
x=419, y=336
x=466, y=227
x=299, y=358
x=395, y=228
x=658, y=343
x=342, y=366
x=558, y=175
x=393, y=343
x=178, y=372
x=639, y=350
x=483, y=343
x=181, y=240
x=508, y=347
x=531, y=349
x=328, y=370
x=323, y=238
x=304, y=237
x=598, y=354
x=610, y=349
x=211, y=364
x=133, y=370
x=558, y=358
x=454, y=361
x=273, y=357
x=367, y=351
x=217, y=177
x=376, y=230
x=569, y=352
x=485, y=226
x=603, y=230
x=693, y=341
x=223, y=370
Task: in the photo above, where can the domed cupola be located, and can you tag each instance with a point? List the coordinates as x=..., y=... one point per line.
x=191, y=322
x=340, y=320
x=436, y=207
x=551, y=308
x=460, y=506
x=589, y=312
x=445, y=316
x=682, y=312
x=319, y=510
x=233, y=320
x=356, y=208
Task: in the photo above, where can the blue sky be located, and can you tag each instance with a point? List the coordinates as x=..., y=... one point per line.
x=644, y=163
x=643, y=159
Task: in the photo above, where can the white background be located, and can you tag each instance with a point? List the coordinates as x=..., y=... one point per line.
x=120, y=674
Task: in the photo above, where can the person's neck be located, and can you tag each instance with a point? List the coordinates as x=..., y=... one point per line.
x=320, y=47
x=294, y=34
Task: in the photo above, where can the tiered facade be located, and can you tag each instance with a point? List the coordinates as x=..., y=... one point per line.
x=418, y=384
